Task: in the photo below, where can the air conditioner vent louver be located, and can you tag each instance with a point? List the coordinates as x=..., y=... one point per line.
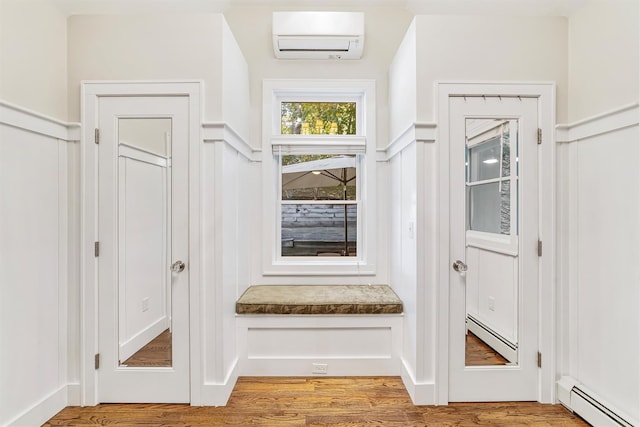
x=318, y=35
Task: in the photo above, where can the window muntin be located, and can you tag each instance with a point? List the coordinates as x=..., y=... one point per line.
x=318, y=118
x=319, y=205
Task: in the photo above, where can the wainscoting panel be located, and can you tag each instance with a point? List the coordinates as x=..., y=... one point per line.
x=309, y=345
x=599, y=230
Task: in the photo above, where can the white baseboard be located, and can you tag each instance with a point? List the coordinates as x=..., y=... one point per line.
x=591, y=407
x=335, y=367
x=42, y=410
x=217, y=394
x=494, y=340
x=73, y=394
x=420, y=393
x=142, y=338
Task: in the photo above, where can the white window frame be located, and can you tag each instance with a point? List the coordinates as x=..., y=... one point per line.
x=275, y=144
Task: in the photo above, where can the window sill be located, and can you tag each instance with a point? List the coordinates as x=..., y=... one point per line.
x=320, y=267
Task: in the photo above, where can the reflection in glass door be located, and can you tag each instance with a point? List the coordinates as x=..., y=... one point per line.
x=144, y=220
x=491, y=241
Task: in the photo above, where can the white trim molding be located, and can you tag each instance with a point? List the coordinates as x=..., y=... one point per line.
x=44, y=409
x=31, y=121
x=217, y=394
x=610, y=121
x=425, y=132
x=222, y=131
x=420, y=393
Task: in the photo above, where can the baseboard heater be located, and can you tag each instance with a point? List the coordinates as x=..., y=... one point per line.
x=493, y=339
x=593, y=409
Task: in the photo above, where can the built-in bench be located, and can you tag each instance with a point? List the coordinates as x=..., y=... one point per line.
x=301, y=330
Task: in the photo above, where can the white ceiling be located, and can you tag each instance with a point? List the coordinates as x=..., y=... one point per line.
x=455, y=7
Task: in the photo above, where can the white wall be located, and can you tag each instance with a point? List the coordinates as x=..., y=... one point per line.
x=146, y=47
x=235, y=85
x=490, y=48
x=599, y=207
x=603, y=57
x=34, y=214
x=403, y=82
x=33, y=261
x=403, y=203
x=452, y=48
x=33, y=49
x=384, y=28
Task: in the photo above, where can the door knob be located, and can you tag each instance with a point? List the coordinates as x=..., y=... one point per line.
x=177, y=266
x=459, y=266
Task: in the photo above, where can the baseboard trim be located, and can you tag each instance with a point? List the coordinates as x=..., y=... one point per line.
x=73, y=394
x=143, y=337
x=420, y=393
x=493, y=339
x=217, y=394
x=591, y=407
x=43, y=410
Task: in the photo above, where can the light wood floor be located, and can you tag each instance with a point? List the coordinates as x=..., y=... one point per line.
x=295, y=401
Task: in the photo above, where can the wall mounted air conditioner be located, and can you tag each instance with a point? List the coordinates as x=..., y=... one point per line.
x=318, y=35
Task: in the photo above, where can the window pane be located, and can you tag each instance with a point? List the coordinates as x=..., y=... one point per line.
x=319, y=230
x=319, y=177
x=318, y=118
x=484, y=208
x=484, y=160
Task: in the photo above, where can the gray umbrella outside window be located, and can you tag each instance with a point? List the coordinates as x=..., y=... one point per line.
x=320, y=176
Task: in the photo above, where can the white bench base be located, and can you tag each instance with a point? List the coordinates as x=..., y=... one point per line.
x=293, y=345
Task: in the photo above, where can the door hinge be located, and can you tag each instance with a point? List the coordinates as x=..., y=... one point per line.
x=97, y=361
x=96, y=249
x=539, y=360
x=97, y=136
x=539, y=247
x=539, y=136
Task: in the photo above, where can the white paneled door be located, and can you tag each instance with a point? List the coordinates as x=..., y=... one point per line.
x=494, y=214
x=143, y=265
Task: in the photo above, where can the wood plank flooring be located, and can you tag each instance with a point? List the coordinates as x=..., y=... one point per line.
x=328, y=401
x=477, y=353
x=156, y=353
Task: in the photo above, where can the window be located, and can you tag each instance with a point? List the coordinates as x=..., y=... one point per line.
x=319, y=170
x=492, y=181
x=319, y=205
x=318, y=118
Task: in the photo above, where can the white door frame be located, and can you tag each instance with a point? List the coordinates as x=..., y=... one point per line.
x=91, y=91
x=546, y=94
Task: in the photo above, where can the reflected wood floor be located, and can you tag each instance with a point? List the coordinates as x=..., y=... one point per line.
x=328, y=401
x=477, y=353
x=156, y=353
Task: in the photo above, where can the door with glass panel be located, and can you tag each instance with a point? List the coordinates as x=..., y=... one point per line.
x=493, y=252
x=143, y=266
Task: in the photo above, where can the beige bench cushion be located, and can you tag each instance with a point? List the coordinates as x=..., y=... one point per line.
x=318, y=299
